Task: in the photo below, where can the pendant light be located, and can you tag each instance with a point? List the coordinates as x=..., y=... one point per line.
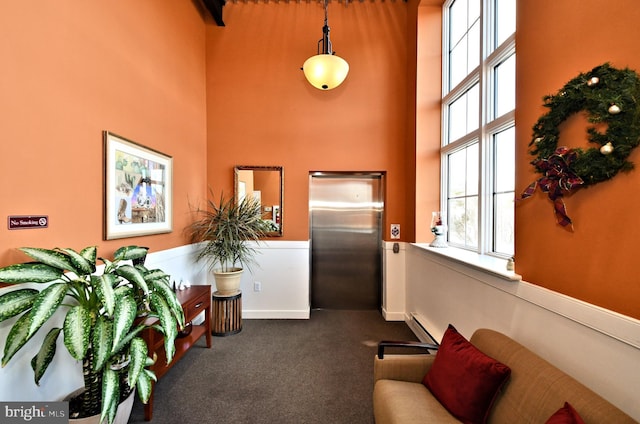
x=325, y=70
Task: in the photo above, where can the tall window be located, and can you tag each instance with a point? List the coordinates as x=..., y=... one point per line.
x=478, y=108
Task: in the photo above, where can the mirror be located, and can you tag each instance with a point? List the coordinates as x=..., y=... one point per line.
x=266, y=184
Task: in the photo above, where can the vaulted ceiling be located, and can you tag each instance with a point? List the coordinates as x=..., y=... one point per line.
x=215, y=6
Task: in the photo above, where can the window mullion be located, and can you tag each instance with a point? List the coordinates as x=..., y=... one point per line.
x=484, y=100
x=484, y=167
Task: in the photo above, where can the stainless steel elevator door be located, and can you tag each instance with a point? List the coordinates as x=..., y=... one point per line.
x=346, y=236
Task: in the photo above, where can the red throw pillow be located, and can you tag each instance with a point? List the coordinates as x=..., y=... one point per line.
x=465, y=380
x=565, y=415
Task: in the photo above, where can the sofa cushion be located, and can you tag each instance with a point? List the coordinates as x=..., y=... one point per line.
x=402, y=402
x=565, y=415
x=465, y=380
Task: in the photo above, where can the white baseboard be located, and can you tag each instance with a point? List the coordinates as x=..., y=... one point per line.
x=393, y=316
x=304, y=314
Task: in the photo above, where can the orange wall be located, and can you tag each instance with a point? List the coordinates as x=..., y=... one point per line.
x=73, y=68
x=597, y=262
x=262, y=111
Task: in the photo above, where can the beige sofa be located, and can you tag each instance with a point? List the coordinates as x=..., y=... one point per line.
x=533, y=393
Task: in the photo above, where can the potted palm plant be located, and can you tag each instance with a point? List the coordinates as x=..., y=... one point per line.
x=225, y=230
x=103, y=324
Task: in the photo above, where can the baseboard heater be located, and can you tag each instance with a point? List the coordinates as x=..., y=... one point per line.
x=417, y=325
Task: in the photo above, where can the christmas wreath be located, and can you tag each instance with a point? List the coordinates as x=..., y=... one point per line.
x=609, y=96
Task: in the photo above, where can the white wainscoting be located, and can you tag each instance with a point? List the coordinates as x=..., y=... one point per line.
x=393, y=282
x=180, y=264
x=597, y=347
x=282, y=268
x=283, y=273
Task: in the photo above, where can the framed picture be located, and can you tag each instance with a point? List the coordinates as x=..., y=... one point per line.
x=137, y=189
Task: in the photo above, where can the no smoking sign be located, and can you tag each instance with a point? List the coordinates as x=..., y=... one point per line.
x=21, y=222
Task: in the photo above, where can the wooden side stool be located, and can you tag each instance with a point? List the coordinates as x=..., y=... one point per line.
x=227, y=314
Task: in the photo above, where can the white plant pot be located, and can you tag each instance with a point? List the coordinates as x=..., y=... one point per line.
x=122, y=414
x=228, y=283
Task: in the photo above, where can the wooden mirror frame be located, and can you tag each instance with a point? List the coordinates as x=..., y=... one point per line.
x=273, y=195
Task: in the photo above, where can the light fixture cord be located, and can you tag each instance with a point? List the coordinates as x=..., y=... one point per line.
x=326, y=15
x=325, y=41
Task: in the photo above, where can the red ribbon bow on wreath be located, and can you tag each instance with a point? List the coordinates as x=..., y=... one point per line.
x=557, y=180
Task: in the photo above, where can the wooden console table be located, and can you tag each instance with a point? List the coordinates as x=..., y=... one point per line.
x=194, y=300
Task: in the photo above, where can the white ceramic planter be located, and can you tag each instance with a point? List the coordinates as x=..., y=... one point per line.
x=228, y=283
x=122, y=414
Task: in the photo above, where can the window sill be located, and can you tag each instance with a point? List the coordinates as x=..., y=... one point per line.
x=489, y=264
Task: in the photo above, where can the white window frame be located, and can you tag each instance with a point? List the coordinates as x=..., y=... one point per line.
x=488, y=125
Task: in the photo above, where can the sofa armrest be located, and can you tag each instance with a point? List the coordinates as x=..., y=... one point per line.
x=410, y=368
x=426, y=347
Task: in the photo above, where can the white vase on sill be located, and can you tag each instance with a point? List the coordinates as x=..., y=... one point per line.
x=440, y=240
x=439, y=230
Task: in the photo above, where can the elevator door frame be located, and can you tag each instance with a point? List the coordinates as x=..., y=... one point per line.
x=380, y=176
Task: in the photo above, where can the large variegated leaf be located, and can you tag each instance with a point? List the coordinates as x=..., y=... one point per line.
x=103, y=285
x=101, y=342
x=122, y=291
x=127, y=339
x=51, y=257
x=123, y=316
x=80, y=263
x=157, y=275
x=134, y=275
x=172, y=300
x=41, y=361
x=129, y=252
x=16, y=302
x=108, y=265
x=90, y=253
x=110, y=395
x=17, y=337
x=77, y=330
x=143, y=269
x=30, y=273
x=138, y=357
x=169, y=324
x=144, y=385
x=45, y=305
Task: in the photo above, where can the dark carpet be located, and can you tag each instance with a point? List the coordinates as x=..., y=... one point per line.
x=278, y=371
